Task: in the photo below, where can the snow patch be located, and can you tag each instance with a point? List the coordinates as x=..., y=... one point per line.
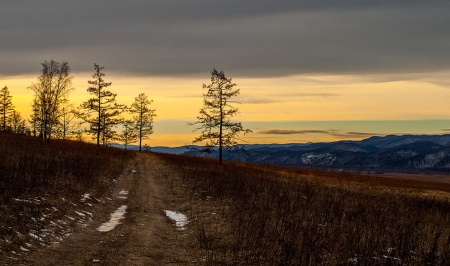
x=36, y=237
x=81, y=214
x=318, y=159
x=180, y=219
x=85, y=197
x=114, y=220
x=123, y=194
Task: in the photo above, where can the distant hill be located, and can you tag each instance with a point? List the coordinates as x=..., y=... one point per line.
x=392, y=153
x=161, y=149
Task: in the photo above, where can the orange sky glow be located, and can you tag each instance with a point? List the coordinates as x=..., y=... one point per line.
x=266, y=102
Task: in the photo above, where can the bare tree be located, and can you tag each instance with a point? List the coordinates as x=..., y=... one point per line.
x=6, y=107
x=17, y=123
x=51, y=93
x=67, y=126
x=214, y=120
x=143, y=118
x=101, y=111
x=34, y=119
x=78, y=135
x=129, y=133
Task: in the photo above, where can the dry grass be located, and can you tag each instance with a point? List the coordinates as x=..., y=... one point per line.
x=40, y=181
x=259, y=215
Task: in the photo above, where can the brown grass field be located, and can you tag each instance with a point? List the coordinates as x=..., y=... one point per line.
x=261, y=215
x=239, y=214
x=40, y=181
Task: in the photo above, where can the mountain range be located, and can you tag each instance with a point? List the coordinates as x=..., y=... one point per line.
x=391, y=153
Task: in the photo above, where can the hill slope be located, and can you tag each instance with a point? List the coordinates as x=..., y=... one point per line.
x=407, y=153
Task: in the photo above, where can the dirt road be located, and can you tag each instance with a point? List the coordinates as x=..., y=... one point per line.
x=144, y=237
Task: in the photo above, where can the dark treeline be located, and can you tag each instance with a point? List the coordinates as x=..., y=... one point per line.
x=102, y=117
x=54, y=117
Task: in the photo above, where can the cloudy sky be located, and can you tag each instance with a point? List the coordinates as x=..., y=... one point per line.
x=308, y=70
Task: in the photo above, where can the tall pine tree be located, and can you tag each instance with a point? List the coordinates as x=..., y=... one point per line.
x=101, y=112
x=143, y=117
x=214, y=121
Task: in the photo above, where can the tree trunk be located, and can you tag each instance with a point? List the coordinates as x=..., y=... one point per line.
x=99, y=117
x=140, y=130
x=220, y=126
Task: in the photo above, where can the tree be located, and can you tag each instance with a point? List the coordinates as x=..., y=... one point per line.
x=34, y=119
x=17, y=123
x=129, y=133
x=51, y=93
x=67, y=127
x=6, y=107
x=101, y=111
x=214, y=120
x=143, y=118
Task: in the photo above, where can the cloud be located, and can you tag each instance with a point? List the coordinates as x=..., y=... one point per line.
x=270, y=38
x=283, y=97
x=357, y=135
x=331, y=132
x=290, y=132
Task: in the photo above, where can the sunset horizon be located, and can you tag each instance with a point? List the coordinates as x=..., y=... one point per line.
x=304, y=70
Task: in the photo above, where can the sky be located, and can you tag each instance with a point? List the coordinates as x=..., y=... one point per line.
x=308, y=71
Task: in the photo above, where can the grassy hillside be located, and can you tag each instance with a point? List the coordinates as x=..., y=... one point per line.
x=40, y=183
x=260, y=215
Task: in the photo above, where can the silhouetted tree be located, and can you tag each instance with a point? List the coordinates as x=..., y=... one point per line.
x=34, y=119
x=6, y=107
x=50, y=94
x=67, y=127
x=214, y=120
x=17, y=123
x=143, y=118
x=129, y=133
x=101, y=111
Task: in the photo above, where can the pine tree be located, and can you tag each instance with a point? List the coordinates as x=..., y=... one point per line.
x=129, y=133
x=143, y=118
x=214, y=120
x=101, y=112
x=6, y=108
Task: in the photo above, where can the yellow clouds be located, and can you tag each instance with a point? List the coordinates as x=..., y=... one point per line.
x=294, y=98
x=303, y=98
x=341, y=98
x=21, y=96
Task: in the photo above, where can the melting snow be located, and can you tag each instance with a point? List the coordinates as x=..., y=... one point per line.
x=114, y=220
x=85, y=197
x=180, y=219
x=123, y=194
x=36, y=237
x=81, y=214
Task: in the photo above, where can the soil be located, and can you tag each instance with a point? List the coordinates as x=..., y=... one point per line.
x=144, y=237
